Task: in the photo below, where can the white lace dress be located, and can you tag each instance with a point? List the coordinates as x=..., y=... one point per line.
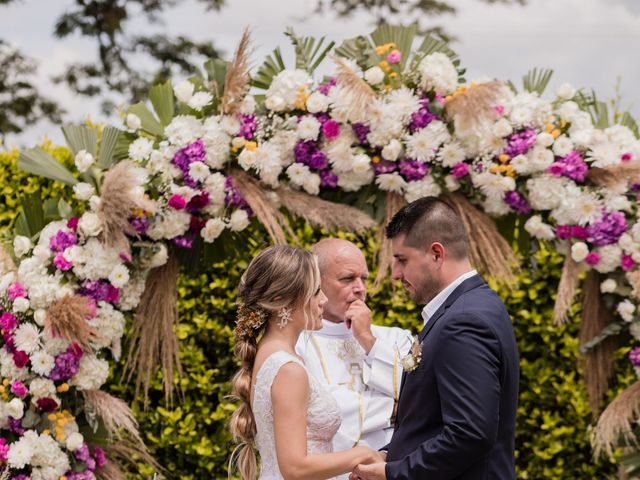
x=323, y=415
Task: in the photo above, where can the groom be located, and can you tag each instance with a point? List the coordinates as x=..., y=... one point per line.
x=456, y=413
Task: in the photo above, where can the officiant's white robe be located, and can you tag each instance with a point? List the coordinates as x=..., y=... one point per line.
x=365, y=386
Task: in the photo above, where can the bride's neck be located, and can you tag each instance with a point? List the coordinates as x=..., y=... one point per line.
x=287, y=335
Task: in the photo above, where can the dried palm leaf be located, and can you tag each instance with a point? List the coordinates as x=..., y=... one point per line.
x=615, y=175
x=236, y=80
x=566, y=289
x=153, y=338
x=598, y=363
x=272, y=219
x=617, y=421
x=118, y=202
x=322, y=213
x=360, y=92
x=68, y=318
x=394, y=202
x=489, y=252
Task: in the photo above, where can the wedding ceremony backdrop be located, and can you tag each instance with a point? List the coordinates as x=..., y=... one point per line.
x=123, y=249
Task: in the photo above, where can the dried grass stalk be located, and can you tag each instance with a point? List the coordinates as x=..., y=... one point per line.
x=360, y=92
x=115, y=414
x=617, y=421
x=5, y=474
x=153, y=339
x=118, y=201
x=110, y=471
x=566, y=289
x=236, y=80
x=272, y=219
x=322, y=213
x=598, y=363
x=615, y=175
x=471, y=109
x=6, y=262
x=634, y=278
x=67, y=318
x=394, y=202
x=489, y=252
x=126, y=451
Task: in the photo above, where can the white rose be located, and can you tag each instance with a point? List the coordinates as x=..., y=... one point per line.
x=133, y=121
x=20, y=305
x=392, y=150
x=361, y=163
x=90, y=224
x=275, y=103
x=239, y=220
x=317, y=102
x=212, y=229
x=408, y=362
x=21, y=245
x=579, y=251
x=184, y=91
x=15, y=408
x=374, y=75
x=626, y=310
x=566, y=91
x=83, y=191
x=74, y=441
x=94, y=202
x=83, y=161
x=608, y=286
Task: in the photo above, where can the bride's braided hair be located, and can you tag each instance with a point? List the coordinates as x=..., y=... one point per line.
x=279, y=276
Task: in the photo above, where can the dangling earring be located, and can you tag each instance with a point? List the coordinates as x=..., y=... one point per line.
x=284, y=317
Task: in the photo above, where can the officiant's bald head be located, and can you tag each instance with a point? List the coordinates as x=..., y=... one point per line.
x=344, y=273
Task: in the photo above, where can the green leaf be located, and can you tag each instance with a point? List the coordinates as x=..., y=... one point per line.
x=401, y=35
x=81, y=137
x=108, y=144
x=360, y=49
x=628, y=121
x=64, y=209
x=216, y=69
x=161, y=97
x=537, y=80
x=307, y=57
x=32, y=217
x=271, y=67
x=40, y=162
x=149, y=122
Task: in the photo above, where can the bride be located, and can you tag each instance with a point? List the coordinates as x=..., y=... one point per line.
x=283, y=409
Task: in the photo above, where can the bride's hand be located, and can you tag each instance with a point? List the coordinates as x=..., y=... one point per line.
x=367, y=455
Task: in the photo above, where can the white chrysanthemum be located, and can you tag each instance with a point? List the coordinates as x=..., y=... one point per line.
x=83, y=160
x=562, y=146
x=451, y=153
x=544, y=139
x=391, y=182
x=496, y=207
x=42, y=388
x=183, y=129
x=289, y=86
x=537, y=228
x=83, y=191
x=520, y=164
x=308, y=128
x=343, y=108
x=184, y=91
x=239, y=220
x=215, y=187
x=27, y=338
x=109, y=325
x=21, y=451
x=403, y=103
x=528, y=109
x=427, y=187
x=212, y=229
x=438, y=73
x=579, y=251
x=423, y=144
x=297, y=172
x=200, y=100
x=130, y=296
x=374, y=75
x=268, y=163
x=91, y=374
x=311, y=184
x=604, y=154
x=392, y=150
x=247, y=158
x=626, y=309
x=354, y=181
x=119, y=276
x=608, y=286
x=579, y=207
x=610, y=256
x=317, y=102
x=198, y=171
x=140, y=149
x=42, y=363
x=545, y=192
x=540, y=159
x=21, y=245
x=340, y=155
x=169, y=224
x=248, y=105
x=492, y=185
x=48, y=462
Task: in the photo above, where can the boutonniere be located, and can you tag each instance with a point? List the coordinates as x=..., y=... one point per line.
x=412, y=359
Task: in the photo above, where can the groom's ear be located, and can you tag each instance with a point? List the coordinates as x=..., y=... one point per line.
x=436, y=252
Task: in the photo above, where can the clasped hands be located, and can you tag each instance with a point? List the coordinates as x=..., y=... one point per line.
x=373, y=469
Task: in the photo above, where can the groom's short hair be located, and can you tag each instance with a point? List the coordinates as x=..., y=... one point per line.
x=428, y=220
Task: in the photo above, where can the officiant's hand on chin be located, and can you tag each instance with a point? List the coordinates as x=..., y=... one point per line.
x=358, y=319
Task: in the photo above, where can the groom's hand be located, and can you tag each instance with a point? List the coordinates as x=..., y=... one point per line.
x=358, y=319
x=373, y=471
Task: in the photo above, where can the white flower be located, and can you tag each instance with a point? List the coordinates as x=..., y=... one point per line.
x=200, y=100
x=450, y=154
x=374, y=75
x=83, y=191
x=520, y=164
x=391, y=182
x=297, y=172
x=634, y=330
x=408, y=363
x=42, y=363
x=42, y=388
x=493, y=185
x=402, y=103
x=537, y=228
x=21, y=245
x=140, y=149
x=311, y=184
x=361, y=163
x=169, y=224
x=423, y=144
x=608, y=286
x=39, y=316
x=119, y=276
x=182, y=130
x=392, y=150
x=451, y=183
x=27, y=338
x=353, y=181
x=15, y=408
x=275, y=103
x=20, y=452
x=610, y=256
x=212, y=229
x=579, y=251
x=626, y=310
x=239, y=220
x=248, y=105
x=230, y=124
x=133, y=121
x=562, y=146
x=545, y=191
x=287, y=87
x=20, y=305
x=199, y=171
x=92, y=373
x=184, y=91
x=90, y=224
x=502, y=128
x=94, y=202
x=317, y=102
x=308, y=128
x=427, y=187
x=83, y=160
x=74, y=441
x=540, y=159
x=438, y=73
x=544, y=139
x=566, y=91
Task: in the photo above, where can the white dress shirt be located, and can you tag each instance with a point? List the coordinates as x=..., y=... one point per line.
x=437, y=301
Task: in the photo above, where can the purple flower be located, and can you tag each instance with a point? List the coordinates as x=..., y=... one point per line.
x=328, y=179
x=460, y=170
x=331, y=129
x=233, y=197
x=66, y=365
x=72, y=223
x=384, y=166
x=318, y=160
x=413, y=169
x=100, y=457
x=361, y=130
x=194, y=152
x=634, y=356
x=15, y=425
x=247, y=126
x=140, y=224
x=608, y=229
x=571, y=165
x=394, y=57
x=184, y=241
x=303, y=151
x=579, y=232
x=422, y=117
x=517, y=202
x=16, y=290
x=8, y=321
x=100, y=290
x=4, y=449
x=82, y=454
x=62, y=240
x=325, y=87
x=520, y=142
x=626, y=157
x=62, y=263
x=18, y=389
x=177, y=202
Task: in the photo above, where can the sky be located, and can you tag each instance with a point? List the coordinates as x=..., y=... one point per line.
x=588, y=43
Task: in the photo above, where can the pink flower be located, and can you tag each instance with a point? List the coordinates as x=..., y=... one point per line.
x=626, y=157
x=72, y=223
x=125, y=257
x=178, y=202
x=62, y=263
x=460, y=169
x=394, y=57
x=19, y=389
x=331, y=129
x=16, y=290
x=8, y=321
x=627, y=262
x=93, y=310
x=499, y=109
x=592, y=258
x=20, y=358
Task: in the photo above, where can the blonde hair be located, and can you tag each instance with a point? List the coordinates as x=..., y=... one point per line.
x=278, y=277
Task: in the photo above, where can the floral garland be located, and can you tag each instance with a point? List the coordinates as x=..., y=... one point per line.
x=390, y=120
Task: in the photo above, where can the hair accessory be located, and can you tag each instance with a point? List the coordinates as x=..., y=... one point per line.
x=249, y=321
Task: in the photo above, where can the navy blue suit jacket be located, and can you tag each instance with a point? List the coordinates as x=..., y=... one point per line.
x=456, y=413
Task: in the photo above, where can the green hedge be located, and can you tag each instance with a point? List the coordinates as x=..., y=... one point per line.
x=191, y=440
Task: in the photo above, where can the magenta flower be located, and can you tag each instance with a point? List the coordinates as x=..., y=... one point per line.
x=62, y=240
x=331, y=129
x=608, y=229
x=16, y=290
x=460, y=170
x=20, y=358
x=627, y=262
x=499, y=109
x=8, y=321
x=47, y=404
x=18, y=389
x=62, y=263
x=72, y=223
x=626, y=157
x=4, y=449
x=394, y=57
x=177, y=202
x=634, y=356
x=592, y=258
